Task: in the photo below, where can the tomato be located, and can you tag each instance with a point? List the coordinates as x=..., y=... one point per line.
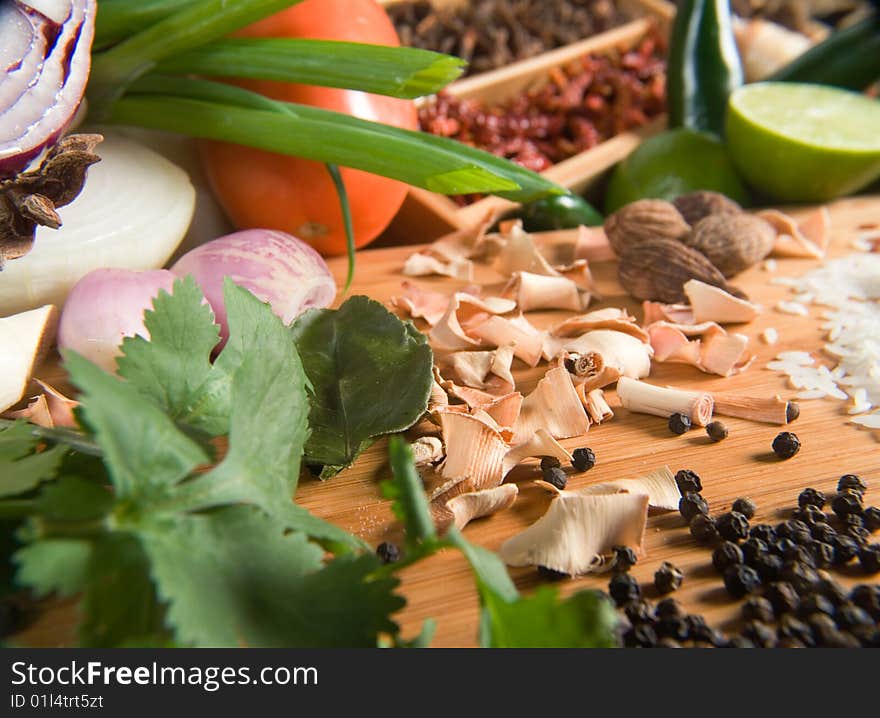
x=262, y=189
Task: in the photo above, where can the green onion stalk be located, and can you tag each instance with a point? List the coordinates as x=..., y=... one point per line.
x=153, y=60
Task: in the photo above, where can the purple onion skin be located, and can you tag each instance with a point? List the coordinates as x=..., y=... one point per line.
x=276, y=267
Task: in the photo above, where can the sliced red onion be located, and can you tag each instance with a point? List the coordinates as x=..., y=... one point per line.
x=45, y=56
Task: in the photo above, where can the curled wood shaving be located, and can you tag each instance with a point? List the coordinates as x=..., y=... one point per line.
x=538, y=445
x=706, y=346
x=475, y=451
x=713, y=304
x=770, y=410
x=460, y=510
x=30, y=199
x=672, y=313
x=647, y=398
x=621, y=351
x=485, y=369
x=422, y=303
x=618, y=320
x=427, y=450
x=537, y=291
x=808, y=238
x=527, y=341
x=424, y=265
x=464, y=309
x=596, y=406
x=577, y=530
x=519, y=254
x=50, y=408
x=471, y=242
x=553, y=405
x=659, y=486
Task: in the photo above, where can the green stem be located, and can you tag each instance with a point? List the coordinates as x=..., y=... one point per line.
x=342, y=193
x=192, y=25
x=74, y=439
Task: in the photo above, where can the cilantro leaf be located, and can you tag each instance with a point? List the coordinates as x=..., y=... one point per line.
x=172, y=367
x=370, y=373
x=73, y=498
x=57, y=566
x=16, y=441
x=583, y=620
x=410, y=505
x=233, y=578
x=17, y=477
x=145, y=453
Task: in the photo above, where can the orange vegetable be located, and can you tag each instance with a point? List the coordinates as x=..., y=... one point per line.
x=262, y=189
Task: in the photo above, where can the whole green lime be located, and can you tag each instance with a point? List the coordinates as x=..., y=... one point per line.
x=803, y=143
x=671, y=164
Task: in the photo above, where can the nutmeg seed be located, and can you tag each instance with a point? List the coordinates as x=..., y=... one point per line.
x=644, y=220
x=732, y=242
x=657, y=269
x=696, y=205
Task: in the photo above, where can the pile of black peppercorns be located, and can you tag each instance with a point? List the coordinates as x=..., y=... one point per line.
x=791, y=601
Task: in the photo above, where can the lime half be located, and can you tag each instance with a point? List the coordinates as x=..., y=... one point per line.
x=804, y=143
x=671, y=164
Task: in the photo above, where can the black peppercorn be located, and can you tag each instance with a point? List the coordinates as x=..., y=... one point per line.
x=853, y=520
x=674, y=627
x=827, y=635
x=786, y=445
x=740, y=580
x=550, y=462
x=551, y=574
x=725, y=555
x=782, y=596
x=869, y=558
x=814, y=603
x=745, y=506
x=801, y=554
x=823, y=532
x=692, y=504
x=823, y=553
x=795, y=530
x=811, y=497
x=583, y=459
x=768, y=565
x=700, y=632
x=388, y=552
x=859, y=534
x=679, y=423
x=848, y=616
x=623, y=588
x=667, y=642
x=847, y=502
x=853, y=483
x=703, y=529
x=845, y=549
x=667, y=578
x=668, y=607
x=688, y=480
x=733, y=526
x=789, y=642
x=624, y=558
x=801, y=576
x=871, y=518
x=762, y=635
x=792, y=412
x=716, y=431
x=752, y=548
x=867, y=598
x=810, y=515
x=639, y=612
x=830, y=589
x=758, y=608
x=556, y=476
x=792, y=628
x=765, y=532
x=739, y=642
x=641, y=635
x=782, y=546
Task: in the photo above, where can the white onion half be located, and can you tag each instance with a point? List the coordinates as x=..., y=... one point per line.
x=133, y=211
x=106, y=306
x=276, y=267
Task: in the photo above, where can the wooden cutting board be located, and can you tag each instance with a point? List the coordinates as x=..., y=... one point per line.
x=628, y=446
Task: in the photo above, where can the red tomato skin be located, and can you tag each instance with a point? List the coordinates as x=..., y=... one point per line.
x=262, y=189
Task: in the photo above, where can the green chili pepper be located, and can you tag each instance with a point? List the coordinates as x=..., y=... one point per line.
x=848, y=58
x=564, y=211
x=704, y=65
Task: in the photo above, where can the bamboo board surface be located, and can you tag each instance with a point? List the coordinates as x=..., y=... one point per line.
x=627, y=446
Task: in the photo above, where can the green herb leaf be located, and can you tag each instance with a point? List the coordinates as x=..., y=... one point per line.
x=403, y=72
x=584, y=620
x=370, y=373
x=17, y=477
x=233, y=578
x=172, y=367
x=145, y=453
x=58, y=566
x=410, y=504
x=72, y=498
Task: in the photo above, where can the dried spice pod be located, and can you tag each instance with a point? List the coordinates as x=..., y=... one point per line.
x=732, y=242
x=657, y=269
x=647, y=219
x=694, y=206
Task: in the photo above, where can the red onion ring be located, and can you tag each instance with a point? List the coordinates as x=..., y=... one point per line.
x=45, y=56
